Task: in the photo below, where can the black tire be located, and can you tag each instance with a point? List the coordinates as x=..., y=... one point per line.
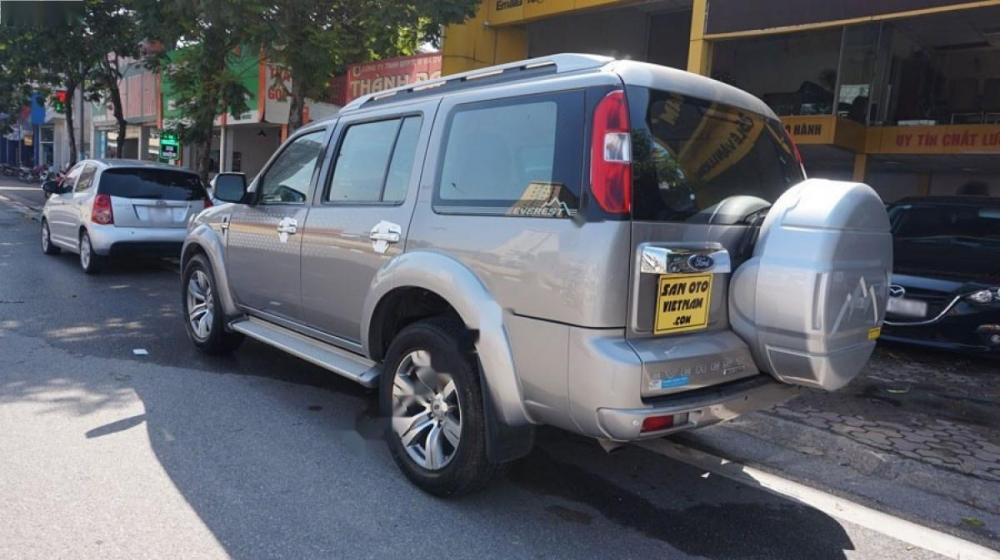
x=90, y=262
x=218, y=340
x=451, y=352
x=47, y=247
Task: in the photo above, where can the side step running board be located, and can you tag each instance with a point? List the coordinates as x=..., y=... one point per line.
x=347, y=364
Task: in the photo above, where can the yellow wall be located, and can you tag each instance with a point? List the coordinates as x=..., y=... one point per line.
x=474, y=44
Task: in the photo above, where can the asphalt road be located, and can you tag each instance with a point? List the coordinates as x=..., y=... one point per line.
x=109, y=454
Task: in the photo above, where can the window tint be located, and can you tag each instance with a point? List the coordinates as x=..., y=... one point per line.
x=86, y=178
x=161, y=184
x=690, y=155
x=287, y=180
x=375, y=161
x=401, y=166
x=519, y=156
x=69, y=180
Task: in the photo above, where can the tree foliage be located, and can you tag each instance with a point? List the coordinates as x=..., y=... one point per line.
x=81, y=51
x=200, y=39
x=313, y=39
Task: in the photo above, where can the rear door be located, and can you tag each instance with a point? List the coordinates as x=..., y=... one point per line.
x=263, y=242
x=149, y=197
x=702, y=172
x=61, y=213
x=705, y=177
x=362, y=214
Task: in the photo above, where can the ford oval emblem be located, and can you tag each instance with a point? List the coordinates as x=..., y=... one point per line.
x=700, y=262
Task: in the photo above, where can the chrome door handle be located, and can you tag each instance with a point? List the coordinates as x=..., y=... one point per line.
x=288, y=225
x=388, y=237
x=384, y=233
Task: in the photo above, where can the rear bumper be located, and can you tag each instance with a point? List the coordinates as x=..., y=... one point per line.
x=963, y=327
x=116, y=241
x=703, y=407
x=606, y=377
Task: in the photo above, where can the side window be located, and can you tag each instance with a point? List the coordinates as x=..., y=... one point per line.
x=86, y=178
x=69, y=180
x=519, y=157
x=375, y=162
x=288, y=178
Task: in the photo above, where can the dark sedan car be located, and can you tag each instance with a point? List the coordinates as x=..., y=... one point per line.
x=945, y=289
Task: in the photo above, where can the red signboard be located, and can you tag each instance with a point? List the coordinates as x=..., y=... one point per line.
x=379, y=75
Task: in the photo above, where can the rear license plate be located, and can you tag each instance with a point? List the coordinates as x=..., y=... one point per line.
x=682, y=303
x=160, y=214
x=907, y=307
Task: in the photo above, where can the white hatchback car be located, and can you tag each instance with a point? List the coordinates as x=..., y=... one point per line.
x=107, y=208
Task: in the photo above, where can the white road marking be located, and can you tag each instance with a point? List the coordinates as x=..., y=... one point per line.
x=841, y=508
x=140, y=351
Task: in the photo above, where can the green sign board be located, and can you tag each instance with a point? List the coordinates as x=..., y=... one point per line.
x=170, y=146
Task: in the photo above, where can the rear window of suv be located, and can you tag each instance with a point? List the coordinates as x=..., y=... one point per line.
x=690, y=155
x=160, y=184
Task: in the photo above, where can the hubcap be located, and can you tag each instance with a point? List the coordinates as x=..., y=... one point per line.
x=200, y=306
x=85, y=251
x=45, y=237
x=426, y=411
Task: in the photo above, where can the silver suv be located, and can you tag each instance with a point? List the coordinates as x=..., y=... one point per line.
x=618, y=249
x=116, y=207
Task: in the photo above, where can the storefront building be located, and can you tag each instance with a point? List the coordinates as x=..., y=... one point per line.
x=904, y=94
x=140, y=93
x=243, y=143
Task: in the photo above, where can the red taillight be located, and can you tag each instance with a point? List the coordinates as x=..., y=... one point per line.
x=657, y=423
x=798, y=154
x=100, y=212
x=611, y=155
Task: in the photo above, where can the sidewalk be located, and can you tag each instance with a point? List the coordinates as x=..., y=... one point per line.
x=917, y=435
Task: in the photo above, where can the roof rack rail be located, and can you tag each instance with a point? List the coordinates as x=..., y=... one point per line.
x=562, y=63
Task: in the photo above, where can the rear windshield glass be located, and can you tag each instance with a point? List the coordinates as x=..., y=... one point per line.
x=704, y=162
x=162, y=184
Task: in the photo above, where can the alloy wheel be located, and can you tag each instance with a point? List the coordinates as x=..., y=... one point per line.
x=200, y=306
x=45, y=237
x=85, y=250
x=426, y=411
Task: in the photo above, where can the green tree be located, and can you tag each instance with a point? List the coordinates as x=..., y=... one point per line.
x=113, y=23
x=200, y=38
x=17, y=64
x=313, y=39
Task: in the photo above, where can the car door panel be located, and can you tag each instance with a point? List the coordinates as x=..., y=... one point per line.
x=60, y=216
x=263, y=241
x=346, y=241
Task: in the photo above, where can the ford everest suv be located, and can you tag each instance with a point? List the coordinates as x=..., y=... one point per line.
x=618, y=249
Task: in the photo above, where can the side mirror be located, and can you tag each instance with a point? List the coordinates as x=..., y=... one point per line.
x=231, y=187
x=51, y=187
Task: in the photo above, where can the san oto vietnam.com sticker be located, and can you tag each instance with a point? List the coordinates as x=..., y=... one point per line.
x=682, y=303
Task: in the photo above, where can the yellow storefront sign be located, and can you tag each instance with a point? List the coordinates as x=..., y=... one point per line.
x=516, y=11
x=942, y=139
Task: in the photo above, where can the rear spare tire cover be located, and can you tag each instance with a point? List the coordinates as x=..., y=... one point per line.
x=811, y=300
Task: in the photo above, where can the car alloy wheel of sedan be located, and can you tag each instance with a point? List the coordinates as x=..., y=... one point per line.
x=427, y=413
x=200, y=306
x=85, y=251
